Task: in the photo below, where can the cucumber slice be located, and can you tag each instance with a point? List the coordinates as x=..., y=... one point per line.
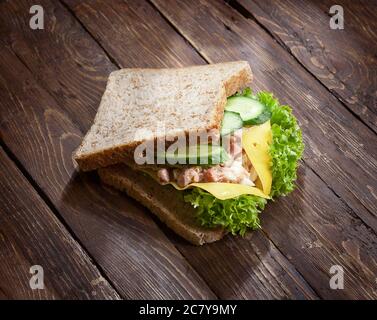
x=231, y=122
x=198, y=154
x=251, y=110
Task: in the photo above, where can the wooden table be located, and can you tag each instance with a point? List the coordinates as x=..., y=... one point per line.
x=96, y=243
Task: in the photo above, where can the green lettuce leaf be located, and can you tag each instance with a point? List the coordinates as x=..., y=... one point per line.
x=235, y=215
x=287, y=146
x=239, y=214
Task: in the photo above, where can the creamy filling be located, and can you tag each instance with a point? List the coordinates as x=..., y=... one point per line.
x=238, y=169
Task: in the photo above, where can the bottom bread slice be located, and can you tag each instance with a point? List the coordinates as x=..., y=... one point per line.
x=164, y=201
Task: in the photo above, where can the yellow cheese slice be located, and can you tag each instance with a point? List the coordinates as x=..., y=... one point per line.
x=255, y=142
x=224, y=191
x=220, y=190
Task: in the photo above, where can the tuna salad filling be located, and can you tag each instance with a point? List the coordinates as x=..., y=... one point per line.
x=237, y=169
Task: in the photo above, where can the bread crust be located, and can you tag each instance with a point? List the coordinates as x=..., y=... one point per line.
x=165, y=202
x=98, y=158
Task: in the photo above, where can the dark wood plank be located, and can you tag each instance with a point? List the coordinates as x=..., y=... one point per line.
x=83, y=12
x=30, y=234
x=340, y=149
x=71, y=56
x=266, y=281
x=129, y=29
x=345, y=61
x=247, y=268
x=130, y=248
x=262, y=282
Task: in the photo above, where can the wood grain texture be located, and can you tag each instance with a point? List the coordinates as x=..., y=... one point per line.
x=255, y=265
x=313, y=227
x=267, y=281
x=260, y=279
x=339, y=148
x=60, y=64
x=320, y=282
x=249, y=267
x=345, y=61
x=132, y=251
x=30, y=234
x=138, y=32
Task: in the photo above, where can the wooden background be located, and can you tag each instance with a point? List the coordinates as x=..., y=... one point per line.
x=96, y=243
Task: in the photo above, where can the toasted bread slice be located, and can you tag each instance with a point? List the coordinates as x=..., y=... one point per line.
x=165, y=202
x=137, y=101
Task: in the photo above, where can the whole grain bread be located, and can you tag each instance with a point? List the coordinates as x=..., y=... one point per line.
x=137, y=101
x=165, y=202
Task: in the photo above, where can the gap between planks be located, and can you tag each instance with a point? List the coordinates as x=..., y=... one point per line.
x=49, y=203
x=246, y=14
x=54, y=210
x=249, y=15
x=113, y=60
x=354, y=214
x=207, y=60
x=108, y=55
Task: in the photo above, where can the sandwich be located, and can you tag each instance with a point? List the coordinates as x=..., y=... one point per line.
x=194, y=145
